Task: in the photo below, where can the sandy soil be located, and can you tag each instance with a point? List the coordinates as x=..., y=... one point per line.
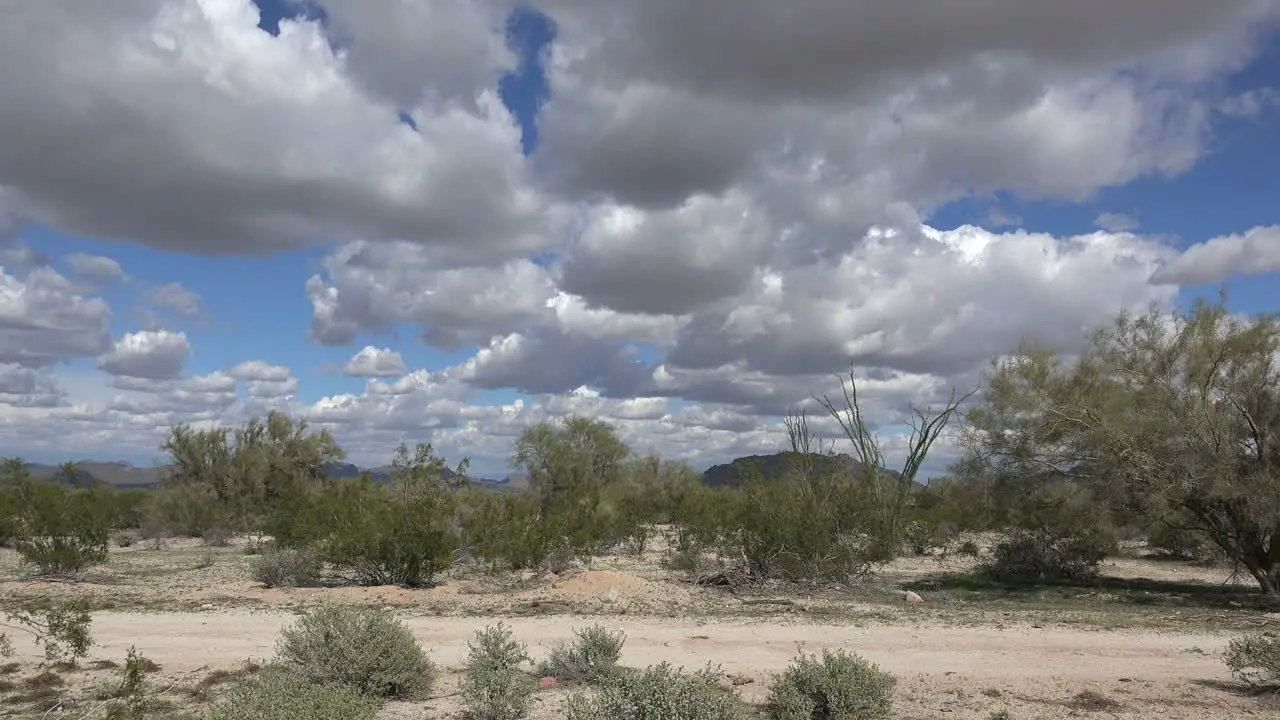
x=944, y=672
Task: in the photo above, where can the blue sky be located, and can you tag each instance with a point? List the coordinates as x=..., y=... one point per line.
x=592, y=218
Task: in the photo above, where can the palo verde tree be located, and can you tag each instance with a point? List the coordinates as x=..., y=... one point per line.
x=573, y=460
x=1176, y=412
x=248, y=470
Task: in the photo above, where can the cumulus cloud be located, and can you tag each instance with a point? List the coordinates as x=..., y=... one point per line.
x=259, y=371
x=718, y=217
x=1212, y=261
x=26, y=387
x=276, y=129
x=375, y=362
x=43, y=319
x=148, y=354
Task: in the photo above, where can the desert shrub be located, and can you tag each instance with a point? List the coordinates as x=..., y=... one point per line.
x=659, y=692
x=367, y=649
x=61, y=530
x=1031, y=556
x=384, y=536
x=187, y=510
x=63, y=629
x=591, y=657
x=133, y=702
x=808, y=526
x=1172, y=538
x=839, y=686
x=493, y=685
x=277, y=694
x=924, y=536
x=287, y=567
x=1255, y=659
x=129, y=508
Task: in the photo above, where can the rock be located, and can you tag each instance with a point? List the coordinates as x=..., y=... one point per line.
x=546, y=682
x=609, y=596
x=913, y=598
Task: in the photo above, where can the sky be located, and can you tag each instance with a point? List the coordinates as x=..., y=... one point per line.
x=445, y=221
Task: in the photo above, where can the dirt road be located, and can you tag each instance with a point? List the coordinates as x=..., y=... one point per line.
x=951, y=672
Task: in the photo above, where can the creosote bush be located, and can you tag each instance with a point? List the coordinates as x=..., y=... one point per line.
x=277, y=694
x=839, y=686
x=367, y=649
x=62, y=629
x=287, y=567
x=1255, y=659
x=659, y=692
x=592, y=657
x=493, y=685
x=1033, y=556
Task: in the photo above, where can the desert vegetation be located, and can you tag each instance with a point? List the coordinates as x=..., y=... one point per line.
x=1115, y=490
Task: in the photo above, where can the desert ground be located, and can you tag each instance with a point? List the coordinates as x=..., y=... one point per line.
x=1143, y=641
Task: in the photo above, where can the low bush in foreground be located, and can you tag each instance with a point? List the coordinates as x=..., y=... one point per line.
x=659, y=692
x=592, y=656
x=367, y=649
x=278, y=694
x=1255, y=659
x=839, y=686
x=493, y=685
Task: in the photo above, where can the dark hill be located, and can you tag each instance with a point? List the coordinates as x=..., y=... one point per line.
x=772, y=467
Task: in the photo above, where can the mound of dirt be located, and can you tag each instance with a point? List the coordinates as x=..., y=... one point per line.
x=590, y=584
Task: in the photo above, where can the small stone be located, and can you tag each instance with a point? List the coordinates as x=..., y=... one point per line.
x=913, y=598
x=546, y=682
x=609, y=596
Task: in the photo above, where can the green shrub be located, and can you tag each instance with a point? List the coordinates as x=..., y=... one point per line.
x=62, y=628
x=1027, y=556
x=659, y=692
x=367, y=649
x=493, y=685
x=592, y=656
x=187, y=510
x=287, y=567
x=61, y=530
x=277, y=694
x=1255, y=659
x=840, y=686
x=384, y=536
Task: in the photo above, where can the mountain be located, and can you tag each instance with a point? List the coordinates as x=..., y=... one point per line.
x=771, y=467
x=124, y=475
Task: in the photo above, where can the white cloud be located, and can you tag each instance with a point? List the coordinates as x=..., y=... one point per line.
x=251, y=143
x=260, y=371
x=375, y=362
x=1214, y=260
x=148, y=354
x=175, y=298
x=717, y=219
x=1116, y=222
x=95, y=268
x=44, y=320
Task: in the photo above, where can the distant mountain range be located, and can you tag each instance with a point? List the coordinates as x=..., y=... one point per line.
x=126, y=475
x=734, y=473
